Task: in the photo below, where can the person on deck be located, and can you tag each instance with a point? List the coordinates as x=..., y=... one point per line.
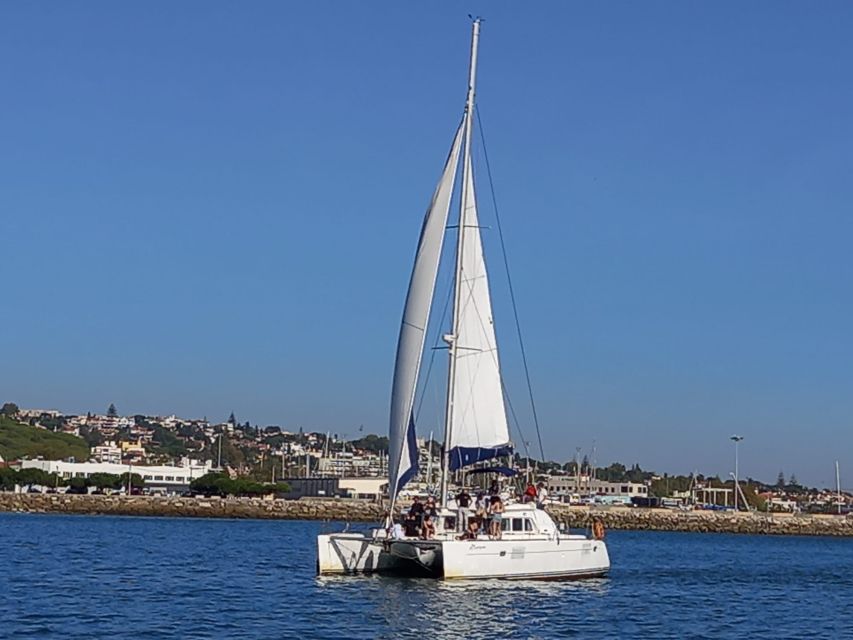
x=541, y=495
x=495, y=488
x=471, y=532
x=463, y=501
x=496, y=509
x=529, y=493
x=482, y=514
x=429, y=527
x=417, y=509
x=430, y=509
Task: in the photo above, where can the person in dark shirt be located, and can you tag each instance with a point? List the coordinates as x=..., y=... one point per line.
x=463, y=501
x=417, y=509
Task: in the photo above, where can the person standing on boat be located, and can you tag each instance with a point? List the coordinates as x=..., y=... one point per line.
x=496, y=509
x=463, y=501
x=541, y=495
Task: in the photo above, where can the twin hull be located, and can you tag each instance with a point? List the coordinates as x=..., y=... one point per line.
x=563, y=557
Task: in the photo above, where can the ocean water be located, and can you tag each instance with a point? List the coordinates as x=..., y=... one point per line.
x=118, y=577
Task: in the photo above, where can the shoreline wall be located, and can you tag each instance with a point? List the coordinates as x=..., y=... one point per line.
x=615, y=518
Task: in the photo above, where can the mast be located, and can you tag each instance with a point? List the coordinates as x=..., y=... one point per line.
x=838, y=487
x=451, y=337
x=429, y=461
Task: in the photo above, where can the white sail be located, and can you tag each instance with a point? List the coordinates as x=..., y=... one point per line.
x=478, y=428
x=403, y=452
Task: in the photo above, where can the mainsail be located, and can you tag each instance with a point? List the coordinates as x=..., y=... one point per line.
x=403, y=450
x=478, y=424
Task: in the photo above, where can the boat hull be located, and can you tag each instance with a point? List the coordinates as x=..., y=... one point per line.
x=550, y=559
x=558, y=558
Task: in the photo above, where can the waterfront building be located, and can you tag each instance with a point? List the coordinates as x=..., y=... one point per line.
x=564, y=487
x=160, y=477
x=365, y=488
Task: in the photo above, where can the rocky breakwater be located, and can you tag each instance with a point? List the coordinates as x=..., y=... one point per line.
x=310, y=509
x=361, y=511
x=704, y=521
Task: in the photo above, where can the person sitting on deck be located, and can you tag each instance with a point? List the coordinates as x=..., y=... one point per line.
x=411, y=527
x=529, y=493
x=496, y=509
x=416, y=511
x=472, y=531
x=430, y=509
x=429, y=527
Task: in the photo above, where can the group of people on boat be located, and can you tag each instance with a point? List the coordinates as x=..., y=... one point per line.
x=488, y=515
x=482, y=515
x=475, y=515
x=537, y=494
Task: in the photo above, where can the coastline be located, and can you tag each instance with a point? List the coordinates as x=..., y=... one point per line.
x=614, y=518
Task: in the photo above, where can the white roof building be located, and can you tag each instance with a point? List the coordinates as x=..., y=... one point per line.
x=164, y=476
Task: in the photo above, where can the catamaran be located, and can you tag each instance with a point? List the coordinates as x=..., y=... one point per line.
x=530, y=544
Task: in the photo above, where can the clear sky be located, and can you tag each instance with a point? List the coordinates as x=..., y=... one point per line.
x=209, y=207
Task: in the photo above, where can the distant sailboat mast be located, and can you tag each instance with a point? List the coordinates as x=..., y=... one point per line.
x=464, y=204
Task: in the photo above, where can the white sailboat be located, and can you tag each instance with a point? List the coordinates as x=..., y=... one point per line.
x=476, y=428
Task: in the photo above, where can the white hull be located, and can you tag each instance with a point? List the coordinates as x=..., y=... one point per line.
x=353, y=553
x=562, y=557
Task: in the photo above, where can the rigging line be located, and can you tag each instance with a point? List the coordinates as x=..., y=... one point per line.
x=509, y=281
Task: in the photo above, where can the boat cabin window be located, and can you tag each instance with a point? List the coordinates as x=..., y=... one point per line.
x=516, y=524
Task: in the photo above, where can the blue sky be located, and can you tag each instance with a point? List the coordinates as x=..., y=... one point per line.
x=213, y=206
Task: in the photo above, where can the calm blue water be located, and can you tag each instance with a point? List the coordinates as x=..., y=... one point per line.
x=111, y=577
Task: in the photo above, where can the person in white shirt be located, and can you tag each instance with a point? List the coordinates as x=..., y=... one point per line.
x=541, y=495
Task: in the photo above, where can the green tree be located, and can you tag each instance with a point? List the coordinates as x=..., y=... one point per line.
x=220, y=484
x=78, y=485
x=780, y=480
x=136, y=481
x=105, y=481
x=168, y=443
x=28, y=477
x=112, y=412
x=9, y=409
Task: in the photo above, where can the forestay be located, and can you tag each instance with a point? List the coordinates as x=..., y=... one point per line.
x=403, y=453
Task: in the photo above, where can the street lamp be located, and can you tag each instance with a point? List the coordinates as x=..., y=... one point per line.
x=736, y=440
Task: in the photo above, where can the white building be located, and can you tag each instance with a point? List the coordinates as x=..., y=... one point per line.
x=107, y=452
x=155, y=477
x=560, y=486
x=365, y=488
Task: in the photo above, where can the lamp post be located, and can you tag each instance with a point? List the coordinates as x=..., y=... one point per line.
x=736, y=440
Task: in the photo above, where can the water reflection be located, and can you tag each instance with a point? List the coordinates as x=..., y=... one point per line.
x=470, y=608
